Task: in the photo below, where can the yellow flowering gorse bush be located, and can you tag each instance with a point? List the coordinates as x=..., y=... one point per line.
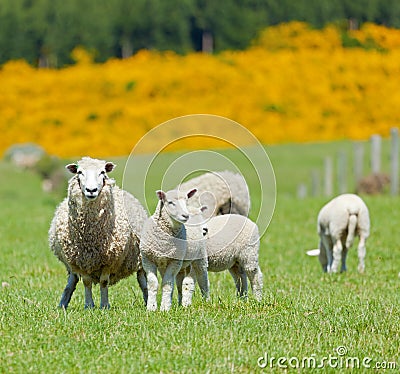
x=294, y=84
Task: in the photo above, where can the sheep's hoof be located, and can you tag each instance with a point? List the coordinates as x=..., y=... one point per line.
x=89, y=306
x=106, y=306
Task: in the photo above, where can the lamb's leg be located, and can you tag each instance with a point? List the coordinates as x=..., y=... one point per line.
x=73, y=279
x=361, y=254
x=87, y=282
x=256, y=281
x=167, y=285
x=323, y=259
x=344, y=257
x=201, y=275
x=152, y=283
x=179, y=281
x=337, y=255
x=104, y=281
x=188, y=285
x=240, y=279
x=142, y=280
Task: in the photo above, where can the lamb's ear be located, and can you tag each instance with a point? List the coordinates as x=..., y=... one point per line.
x=73, y=168
x=110, y=167
x=191, y=193
x=161, y=195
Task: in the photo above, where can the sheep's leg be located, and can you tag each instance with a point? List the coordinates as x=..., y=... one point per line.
x=167, y=285
x=256, y=281
x=104, y=281
x=344, y=257
x=87, y=282
x=152, y=283
x=337, y=255
x=142, y=280
x=240, y=279
x=73, y=279
x=361, y=254
x=323, y=259
x=188, y=285
x=201, y=275
x=179, y=281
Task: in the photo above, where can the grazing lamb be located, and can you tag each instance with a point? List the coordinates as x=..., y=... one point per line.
x=338, y=222
x=222, y=192
x=163, y=246
x=95, y=232
x=232, y=243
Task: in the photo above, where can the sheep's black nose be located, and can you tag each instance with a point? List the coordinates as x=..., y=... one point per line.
x=91, y=190
x=185, y=216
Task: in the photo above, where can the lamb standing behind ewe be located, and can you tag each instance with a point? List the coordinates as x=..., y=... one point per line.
x=96, y=231
x=232, y=243
x=221, y=192
x=163, y=246
x=338, y=222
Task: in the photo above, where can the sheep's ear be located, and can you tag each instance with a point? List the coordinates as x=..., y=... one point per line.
x=161, y=195
x=110, y=167
x=191, y=193
x=73, y=168
x=203, y=208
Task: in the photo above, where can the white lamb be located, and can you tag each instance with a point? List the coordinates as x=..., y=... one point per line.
x=338, y=222
x=163, y=247
x=232, y=243
x=221, y=192
x=95, y=232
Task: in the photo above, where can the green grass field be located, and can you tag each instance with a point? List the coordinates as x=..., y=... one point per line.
x=305, y=315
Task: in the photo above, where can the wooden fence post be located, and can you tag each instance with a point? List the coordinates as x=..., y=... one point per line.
x=315, y=183
x=342, y=172
x=328, y=180
x=394, y=161
x=358, y=161
x=376, y=142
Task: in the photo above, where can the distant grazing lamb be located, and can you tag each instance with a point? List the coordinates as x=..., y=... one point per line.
x=221, y=192
x=95, y=232
x=163, y=246
x=338, y=222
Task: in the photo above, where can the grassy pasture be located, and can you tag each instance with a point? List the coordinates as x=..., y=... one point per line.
x=304, y=313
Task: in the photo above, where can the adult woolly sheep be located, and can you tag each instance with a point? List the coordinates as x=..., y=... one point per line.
x=221, y=192
x=339, y=221
x=95, y=232
x=163, y=246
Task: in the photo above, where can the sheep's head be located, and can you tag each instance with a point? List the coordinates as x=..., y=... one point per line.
x=175, y=204
x=91, y=175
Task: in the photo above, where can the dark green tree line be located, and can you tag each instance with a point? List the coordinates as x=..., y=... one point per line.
x=44, y=32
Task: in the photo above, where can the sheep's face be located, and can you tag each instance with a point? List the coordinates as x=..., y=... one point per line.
x=91, y=175
x=175, y=204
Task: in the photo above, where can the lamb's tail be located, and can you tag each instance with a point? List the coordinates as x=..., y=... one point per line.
x=351, y=229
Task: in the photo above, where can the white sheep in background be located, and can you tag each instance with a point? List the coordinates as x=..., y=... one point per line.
x=163, y=246
x=95, y=232
x=221, y=192
x=339, y=221
x=232, y=243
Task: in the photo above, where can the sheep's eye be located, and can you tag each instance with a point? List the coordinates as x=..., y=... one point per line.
x=79, y=172
x=171, y=203
x=102, y=172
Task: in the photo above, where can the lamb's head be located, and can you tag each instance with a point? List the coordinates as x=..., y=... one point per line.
x=91, y=175
x=175, y=204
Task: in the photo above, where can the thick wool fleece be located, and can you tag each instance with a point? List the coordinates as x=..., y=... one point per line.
x=160, y=241
x=88, y=236
x=222, y=192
